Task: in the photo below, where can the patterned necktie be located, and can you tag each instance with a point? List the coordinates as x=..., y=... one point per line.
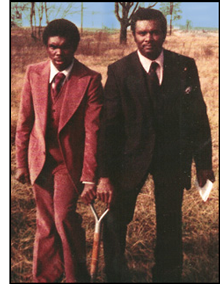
x=59, y=78
x=153, y=81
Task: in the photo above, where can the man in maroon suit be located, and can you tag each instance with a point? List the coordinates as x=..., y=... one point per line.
x=56, y=144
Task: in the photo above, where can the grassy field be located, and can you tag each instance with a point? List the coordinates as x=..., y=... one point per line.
x=200, y=220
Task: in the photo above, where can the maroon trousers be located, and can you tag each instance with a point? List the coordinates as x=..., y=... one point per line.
x=60, y=239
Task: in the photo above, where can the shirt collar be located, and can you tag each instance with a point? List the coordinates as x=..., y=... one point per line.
x=54, y=71
x=146, y=62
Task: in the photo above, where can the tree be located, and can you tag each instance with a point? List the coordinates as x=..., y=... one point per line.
x=39, y=13
x=188, y=25
x=172, y=9
x=124, y=12
x=36, y=16
x=17, y=9
x=33, y=18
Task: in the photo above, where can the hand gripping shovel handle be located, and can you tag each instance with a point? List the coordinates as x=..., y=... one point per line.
x=96, y=243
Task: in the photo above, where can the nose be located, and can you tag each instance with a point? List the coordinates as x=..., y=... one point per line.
x=58, y=51
x=148, y=37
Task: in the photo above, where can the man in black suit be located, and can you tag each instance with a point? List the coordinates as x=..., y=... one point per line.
x=155, y=125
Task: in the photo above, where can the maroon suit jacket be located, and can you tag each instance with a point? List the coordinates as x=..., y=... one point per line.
x=78, y=125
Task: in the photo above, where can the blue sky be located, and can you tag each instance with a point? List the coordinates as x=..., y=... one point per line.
x=101, y=14
x=202, y=14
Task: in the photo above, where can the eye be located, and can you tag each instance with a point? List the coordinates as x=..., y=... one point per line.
x=66, y=47
x=156, y=32
x=52, y=46
x=142, y=33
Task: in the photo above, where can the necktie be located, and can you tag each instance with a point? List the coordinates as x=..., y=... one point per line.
x=155, y=93
x=153, y=81
x=58, y=80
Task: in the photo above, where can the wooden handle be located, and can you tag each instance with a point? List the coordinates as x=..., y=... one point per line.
x=95, y=257
x=96, y=243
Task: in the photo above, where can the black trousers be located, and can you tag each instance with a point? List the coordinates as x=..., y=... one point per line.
x=168, y=250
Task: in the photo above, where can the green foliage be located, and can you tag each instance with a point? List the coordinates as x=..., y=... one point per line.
x=171, y=8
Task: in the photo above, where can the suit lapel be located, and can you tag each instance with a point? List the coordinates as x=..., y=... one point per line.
x=41, y=94
x=73, y=92
x=171, y=73
x=136, y=79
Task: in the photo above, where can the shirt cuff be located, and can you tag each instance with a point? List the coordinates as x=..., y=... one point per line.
x=88, y=182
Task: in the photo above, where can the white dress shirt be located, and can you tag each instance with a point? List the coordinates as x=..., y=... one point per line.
x=146, y=63
x=54, y=71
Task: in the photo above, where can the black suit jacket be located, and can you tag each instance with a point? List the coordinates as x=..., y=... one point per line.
x=134, y=132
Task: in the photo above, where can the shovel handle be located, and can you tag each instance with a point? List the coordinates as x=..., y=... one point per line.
x=95, y=256
x=96, y=243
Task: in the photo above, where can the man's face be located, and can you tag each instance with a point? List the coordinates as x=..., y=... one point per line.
x=60, y=51
x=149, y=38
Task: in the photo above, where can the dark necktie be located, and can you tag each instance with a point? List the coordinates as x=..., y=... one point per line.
x=58, y=80
x=153, y=81
x=155, y=93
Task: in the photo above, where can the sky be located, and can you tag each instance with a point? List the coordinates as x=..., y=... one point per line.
x=101, y=14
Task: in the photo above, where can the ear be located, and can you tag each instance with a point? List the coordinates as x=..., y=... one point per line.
x=164, y=37
x=133, y=33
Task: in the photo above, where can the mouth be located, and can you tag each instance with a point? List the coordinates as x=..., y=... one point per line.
x=59, y=61
x=148, y=47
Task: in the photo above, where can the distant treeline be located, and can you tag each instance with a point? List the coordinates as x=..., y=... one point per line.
x=183, y=27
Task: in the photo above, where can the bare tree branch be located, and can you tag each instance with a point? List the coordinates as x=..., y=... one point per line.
x=151, y=6
x=124, y=18
x=135, y=8
x=46, y=12
x=117, y=11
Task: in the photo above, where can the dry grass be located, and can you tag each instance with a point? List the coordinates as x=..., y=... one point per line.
x=200, y=220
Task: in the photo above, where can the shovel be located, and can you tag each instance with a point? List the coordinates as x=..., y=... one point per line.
x=96, y=242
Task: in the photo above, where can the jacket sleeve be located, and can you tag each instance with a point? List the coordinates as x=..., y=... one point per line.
x=24, y=123
x=200, y=128
x=112, y=129
x=92, y=124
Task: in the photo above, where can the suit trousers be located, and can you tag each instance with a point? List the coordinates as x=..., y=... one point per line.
x=60, y=239
x=168, y=250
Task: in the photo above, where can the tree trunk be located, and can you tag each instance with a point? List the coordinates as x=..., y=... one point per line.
x=171, y=25
x=46, y=15
x=32, y=17
x=171, y=16
x=40, y=12
x=123, y=34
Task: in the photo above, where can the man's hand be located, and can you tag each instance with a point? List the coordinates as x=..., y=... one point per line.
x=88, y=193
x=105, y=191
x=203, y=175
x=22, y=175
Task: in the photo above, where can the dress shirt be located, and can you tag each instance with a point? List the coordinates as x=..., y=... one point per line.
x=54, y=71
x=66, y=72
x=146, y=63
